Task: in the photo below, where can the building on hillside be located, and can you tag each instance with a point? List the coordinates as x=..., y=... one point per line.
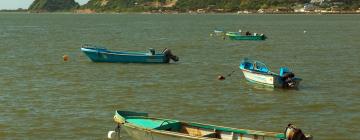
x=200, y=11
x=317, y=1
x=266, y=10
x=244, y=12
x=299, y=10
x=284, y=10
x=335, y=9
x=309, y=7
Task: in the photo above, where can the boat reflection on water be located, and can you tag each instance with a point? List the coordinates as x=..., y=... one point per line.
x=259, y=86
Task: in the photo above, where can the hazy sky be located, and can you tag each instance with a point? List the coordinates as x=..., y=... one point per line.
x=15, y=4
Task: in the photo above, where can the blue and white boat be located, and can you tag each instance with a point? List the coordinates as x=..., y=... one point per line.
x=99, y=54
x=257, y=72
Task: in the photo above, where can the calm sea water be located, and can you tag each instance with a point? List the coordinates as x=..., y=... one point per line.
x=43, y=97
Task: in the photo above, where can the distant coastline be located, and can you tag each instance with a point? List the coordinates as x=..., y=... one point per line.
x=89, y=11
x=194, y=7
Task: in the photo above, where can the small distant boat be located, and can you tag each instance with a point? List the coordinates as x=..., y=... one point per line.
x=247, y=36
x=99, y=54
x=141, y=127
x=219, y=31
x=257, y=72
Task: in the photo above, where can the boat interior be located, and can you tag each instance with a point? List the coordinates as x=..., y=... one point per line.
x=254, y=66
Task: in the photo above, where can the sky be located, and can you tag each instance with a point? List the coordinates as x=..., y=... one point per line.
x=15, y=4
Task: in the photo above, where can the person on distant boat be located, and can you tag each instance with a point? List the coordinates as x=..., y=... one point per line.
x=247, y=33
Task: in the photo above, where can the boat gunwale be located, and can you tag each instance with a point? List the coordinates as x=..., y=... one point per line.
x=121, y=53
x=262, y=73
x=164, y=132
x=236, y=34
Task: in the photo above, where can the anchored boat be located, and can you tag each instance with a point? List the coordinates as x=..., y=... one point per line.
x=257, y=72
x=219, y=31
x=141, y=127
x=100, y=54
x=247, y=36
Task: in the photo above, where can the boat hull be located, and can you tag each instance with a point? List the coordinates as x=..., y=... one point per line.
x=239, y=36
x=103, y=55
x=271, y=80
x=142, y=134
x=268, y=80
x=141, y=127
x=250, y=37
x=145, y=134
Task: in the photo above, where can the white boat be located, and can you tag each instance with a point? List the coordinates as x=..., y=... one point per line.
x=257, y=72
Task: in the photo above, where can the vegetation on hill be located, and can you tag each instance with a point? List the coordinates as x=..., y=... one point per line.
x=212, y=5
x=53, y=5
x=235, y=5
x=188, y=5
x=124, y=5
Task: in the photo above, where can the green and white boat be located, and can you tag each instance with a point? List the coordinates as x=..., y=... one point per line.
x=141, y=127
x=246, y=36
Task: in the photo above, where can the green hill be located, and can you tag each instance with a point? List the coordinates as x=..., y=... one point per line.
x=53, y=5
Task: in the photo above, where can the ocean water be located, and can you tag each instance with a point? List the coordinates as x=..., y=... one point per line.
x=43, y=97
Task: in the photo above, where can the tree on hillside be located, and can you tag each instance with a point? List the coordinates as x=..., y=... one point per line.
x=53, y=5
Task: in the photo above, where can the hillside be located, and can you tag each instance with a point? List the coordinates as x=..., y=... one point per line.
x=191, y=5
x=213, y=5
x=127, y=5
x=53, y=5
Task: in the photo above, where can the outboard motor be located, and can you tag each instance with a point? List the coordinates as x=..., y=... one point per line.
x=293, y=133
x=169, y=55
x=287, y=77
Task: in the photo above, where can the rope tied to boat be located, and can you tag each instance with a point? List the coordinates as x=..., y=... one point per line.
x=117, y=130
x=221, y=77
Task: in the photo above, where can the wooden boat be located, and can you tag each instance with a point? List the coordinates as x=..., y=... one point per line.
x=100, y=54
x=247, y=36
x=141, y=127
x=257, y=72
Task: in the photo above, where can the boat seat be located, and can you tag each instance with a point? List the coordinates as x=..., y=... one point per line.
x=171, y=126
x=247, y=66
x=263, y=69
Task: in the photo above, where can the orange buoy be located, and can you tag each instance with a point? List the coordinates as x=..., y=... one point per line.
x=66, y=57
x=220, y=77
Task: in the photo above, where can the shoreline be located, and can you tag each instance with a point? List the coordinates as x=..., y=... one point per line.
x=193, y=13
